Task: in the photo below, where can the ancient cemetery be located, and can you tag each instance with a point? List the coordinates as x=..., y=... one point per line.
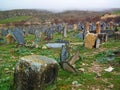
x=53, y=51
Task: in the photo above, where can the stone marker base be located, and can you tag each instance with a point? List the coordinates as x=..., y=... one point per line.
x=34, y=72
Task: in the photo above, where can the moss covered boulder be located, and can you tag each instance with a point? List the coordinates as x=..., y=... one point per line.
x=34, y=72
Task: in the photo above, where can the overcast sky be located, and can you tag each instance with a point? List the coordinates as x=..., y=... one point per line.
x=59, y=4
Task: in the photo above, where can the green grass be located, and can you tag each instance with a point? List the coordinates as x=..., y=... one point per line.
x=10, y=54
x=116, y=12
x=14, y=19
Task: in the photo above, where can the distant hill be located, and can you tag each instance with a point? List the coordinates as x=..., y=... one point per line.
x=33, y=12
x=39, y=15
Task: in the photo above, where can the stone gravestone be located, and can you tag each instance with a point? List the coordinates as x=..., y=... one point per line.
x=98, y=31
x=75, y=27
x=18, y=35
x=34, y=72
x=111, y=25
x=37, y=36
x=1, y=37
x=49, y=33
x=86, y=29
x=64, y=53
x=65, y=30
x=67, y=63
x=90, y=40
x=4, y=32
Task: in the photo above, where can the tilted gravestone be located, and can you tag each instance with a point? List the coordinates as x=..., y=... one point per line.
x=34, y=72
x=67, y=63
x=18, y=35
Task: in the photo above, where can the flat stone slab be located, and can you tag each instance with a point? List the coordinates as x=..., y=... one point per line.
x=55, y=45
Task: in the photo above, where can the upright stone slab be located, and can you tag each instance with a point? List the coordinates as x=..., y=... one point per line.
x=65, y=30
x=86, y=30
x=98, y=29
x=37, y=36
x=87, y=26
x=111, y=25
x=90, y=40
x=75, y=27
x=18, y=35
x=34, y=72
x=64, y=53
x=4, y=32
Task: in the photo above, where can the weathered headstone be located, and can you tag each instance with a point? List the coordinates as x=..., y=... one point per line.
x=75, y=27
x=67, y=63
x=80, y=35
x=4, y=32
x=64, y=53
x=86, y=29
x=111, y=25
x=34, y=72
x=97, y=43
x=65, y=30
x=37, y=36
x=87, y=26
x=98, y=29
x=49, y=33
x=18, y=35
x=90, y=40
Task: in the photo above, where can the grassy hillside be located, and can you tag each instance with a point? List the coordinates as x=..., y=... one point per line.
x=117, y=12
x=89, y=61
x=14, y=19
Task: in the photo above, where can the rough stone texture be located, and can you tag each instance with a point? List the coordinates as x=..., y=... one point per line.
x=87, y=26
x=9, y=38
x=34, y=72
x=89, y=40
x=75, y=26
x=111, y=25
x=98, y=29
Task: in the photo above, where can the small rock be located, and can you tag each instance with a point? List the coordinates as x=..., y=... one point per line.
x=81, y=69
x=109, y=69
x=98, y=75
x=111, y=86
x=83, y=64
x=44, y=47
x=74, y=82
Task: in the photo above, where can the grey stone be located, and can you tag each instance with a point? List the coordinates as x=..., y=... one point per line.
x=34, y=72
x=37, y=36
x=55, y=45
x=64, y=53
x=80, y=35
x=18, y=35
x=4, y=32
